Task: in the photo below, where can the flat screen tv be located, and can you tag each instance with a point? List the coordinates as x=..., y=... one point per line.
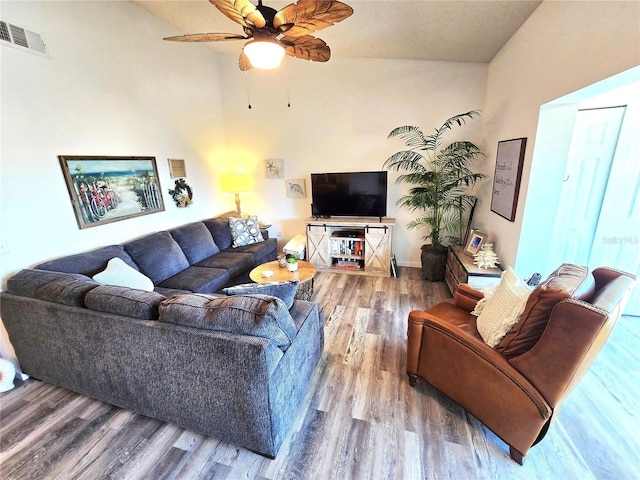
x=349, y=194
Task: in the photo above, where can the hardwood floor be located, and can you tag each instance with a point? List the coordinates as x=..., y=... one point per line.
x=360, y=419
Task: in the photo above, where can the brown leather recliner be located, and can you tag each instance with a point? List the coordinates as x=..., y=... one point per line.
x=516, y=388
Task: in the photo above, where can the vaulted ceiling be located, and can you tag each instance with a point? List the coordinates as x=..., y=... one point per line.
x=438, y=30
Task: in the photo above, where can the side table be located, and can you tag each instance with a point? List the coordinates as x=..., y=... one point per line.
x=461, y=269
x=305, y=273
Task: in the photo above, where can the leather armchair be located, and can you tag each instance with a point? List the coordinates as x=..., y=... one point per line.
x=516, y=388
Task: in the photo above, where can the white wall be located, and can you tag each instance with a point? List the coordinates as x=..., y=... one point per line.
x=111, y=87
x=341, y=113
x=562, y=47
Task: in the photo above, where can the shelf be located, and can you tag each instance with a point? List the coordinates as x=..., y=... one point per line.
x=339, y=238
x=346, y=267
x=347, y=255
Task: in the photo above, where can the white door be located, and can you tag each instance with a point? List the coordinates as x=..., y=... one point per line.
x=598, y=221
x=617, y=237
x=593, y=145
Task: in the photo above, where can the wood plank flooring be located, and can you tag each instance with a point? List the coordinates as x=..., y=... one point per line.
x=360, y=419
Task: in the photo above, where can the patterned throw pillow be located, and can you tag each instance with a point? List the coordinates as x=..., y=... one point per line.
x=245, y=231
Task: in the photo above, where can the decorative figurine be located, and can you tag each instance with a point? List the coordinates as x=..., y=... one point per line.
x=486, y=257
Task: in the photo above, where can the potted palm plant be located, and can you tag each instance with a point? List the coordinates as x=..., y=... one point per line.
x=441, y=179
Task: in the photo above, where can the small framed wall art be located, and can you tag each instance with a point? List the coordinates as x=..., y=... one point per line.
x=108, y=189
x=274, y=168
x=506, y=181
x=296, y=188
x=177, y=168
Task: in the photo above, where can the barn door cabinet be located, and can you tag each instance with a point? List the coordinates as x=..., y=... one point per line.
x=352, y=245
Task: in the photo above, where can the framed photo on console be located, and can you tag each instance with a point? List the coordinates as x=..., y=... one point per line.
x=508, y=173
x=109, y=189
x=475, y=242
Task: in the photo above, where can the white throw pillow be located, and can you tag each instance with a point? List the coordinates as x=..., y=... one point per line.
x=502, y=310
x=120, y=274
x=488, y=293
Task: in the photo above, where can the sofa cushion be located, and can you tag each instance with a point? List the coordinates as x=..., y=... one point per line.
x=220, y=231
x=568, y=281
x=158, y=256
x=125, y=301
x=121, y=274
x=255, y=315
x=195, y=240
x=59, y=287
x=503, y=308
x=245, y=231
x=198, y=279
x=170, y=292
x=285, y=291
x=234, y=262
x=88, y=263
x=262, y=252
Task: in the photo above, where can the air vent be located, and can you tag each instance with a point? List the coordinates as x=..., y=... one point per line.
x=15, y=36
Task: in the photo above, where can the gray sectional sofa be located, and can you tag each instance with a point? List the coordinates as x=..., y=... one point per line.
x=234, y=367
x=197, y=257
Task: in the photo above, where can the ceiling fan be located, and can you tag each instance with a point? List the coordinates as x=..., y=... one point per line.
x=272, y=34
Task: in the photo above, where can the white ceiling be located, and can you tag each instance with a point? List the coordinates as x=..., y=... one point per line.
x=440, y=30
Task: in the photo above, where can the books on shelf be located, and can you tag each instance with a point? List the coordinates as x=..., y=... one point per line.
x=352, y=264
x=344, y=246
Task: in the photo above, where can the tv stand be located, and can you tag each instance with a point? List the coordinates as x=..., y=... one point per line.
x=360, y=245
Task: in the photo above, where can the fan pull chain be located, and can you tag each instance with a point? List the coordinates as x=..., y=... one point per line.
x=286, y=70
x=246, y=84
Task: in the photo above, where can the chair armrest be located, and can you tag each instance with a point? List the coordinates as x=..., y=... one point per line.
x=466, y=297
x=417, y=319
x=445, y=313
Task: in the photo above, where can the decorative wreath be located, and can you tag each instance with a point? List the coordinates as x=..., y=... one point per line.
x=182, y=193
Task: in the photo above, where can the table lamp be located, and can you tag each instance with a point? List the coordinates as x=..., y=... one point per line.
x=236, y=183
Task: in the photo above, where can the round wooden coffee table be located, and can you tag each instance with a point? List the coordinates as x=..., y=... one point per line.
x=304, y=274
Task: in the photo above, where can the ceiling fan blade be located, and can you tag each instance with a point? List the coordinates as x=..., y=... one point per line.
x=308, y=16
x=241, y=11
x=307, y=48
x=206, y=37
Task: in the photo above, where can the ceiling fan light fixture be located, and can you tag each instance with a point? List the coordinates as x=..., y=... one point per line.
x=264, y=54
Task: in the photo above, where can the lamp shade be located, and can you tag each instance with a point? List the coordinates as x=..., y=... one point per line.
x=236, y=183
x=264, y=54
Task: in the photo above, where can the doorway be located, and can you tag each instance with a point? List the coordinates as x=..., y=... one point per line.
x=598, y=209
x=587, y=175
x=585, y=183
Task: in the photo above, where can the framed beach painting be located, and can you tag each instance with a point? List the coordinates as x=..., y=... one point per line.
x=110, y=189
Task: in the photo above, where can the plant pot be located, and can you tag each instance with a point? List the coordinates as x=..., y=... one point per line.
x=434, y=262
x=292, y=267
